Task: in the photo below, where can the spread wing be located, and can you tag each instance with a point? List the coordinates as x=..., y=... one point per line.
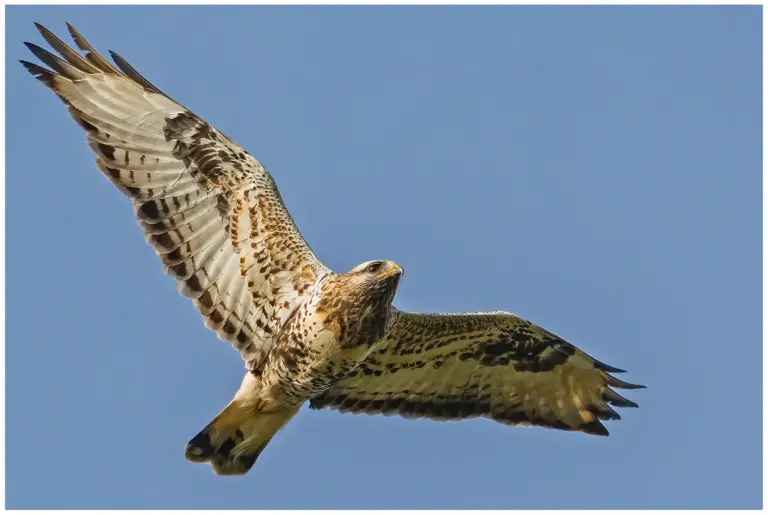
x=494, y=365
x=211, y=211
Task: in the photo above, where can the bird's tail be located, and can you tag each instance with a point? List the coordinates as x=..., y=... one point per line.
x=235, y=438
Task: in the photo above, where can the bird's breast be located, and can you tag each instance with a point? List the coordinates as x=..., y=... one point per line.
x=314, y=351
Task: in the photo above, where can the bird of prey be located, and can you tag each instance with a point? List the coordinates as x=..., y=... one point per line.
x=214, y=217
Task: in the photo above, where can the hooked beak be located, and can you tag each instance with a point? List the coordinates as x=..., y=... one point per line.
x=395, y=269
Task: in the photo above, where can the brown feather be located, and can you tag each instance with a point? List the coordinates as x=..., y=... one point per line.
x=493, y=365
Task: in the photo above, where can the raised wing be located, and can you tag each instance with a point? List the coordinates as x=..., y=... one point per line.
x=210, y=210
x=493, y=365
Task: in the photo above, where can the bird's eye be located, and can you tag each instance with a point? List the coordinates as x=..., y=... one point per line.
x=373, y=268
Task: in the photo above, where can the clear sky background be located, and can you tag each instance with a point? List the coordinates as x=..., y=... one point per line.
x=595, y=170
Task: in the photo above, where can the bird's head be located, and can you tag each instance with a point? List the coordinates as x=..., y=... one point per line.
x=362, y=299
x=378, y=270
x=379, y=278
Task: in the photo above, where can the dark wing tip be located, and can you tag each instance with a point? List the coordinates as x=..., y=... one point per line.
x=612, y=381
x=32, y=47
x=607, y=368
x=594, y=428
x=42, y=29
x=604, y=412
x=32, y=67
x=44, y=55
x=75, y=36
x=44, y=75
x=618, y=383
x=613, y=398
x=131, y=72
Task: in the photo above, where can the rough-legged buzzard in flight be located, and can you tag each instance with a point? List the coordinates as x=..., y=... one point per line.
x=214, y=216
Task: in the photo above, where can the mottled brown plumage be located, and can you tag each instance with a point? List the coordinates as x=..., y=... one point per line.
x=494, y=365
x=215, y=218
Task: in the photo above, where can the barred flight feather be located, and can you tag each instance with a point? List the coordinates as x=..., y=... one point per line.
x=494, y=365
x=203, y=202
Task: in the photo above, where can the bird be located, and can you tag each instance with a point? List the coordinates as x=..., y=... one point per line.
x=307, y=335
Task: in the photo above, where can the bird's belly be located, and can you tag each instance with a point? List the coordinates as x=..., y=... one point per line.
x=303, y=373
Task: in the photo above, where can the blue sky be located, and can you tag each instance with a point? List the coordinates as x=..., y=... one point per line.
x=595, y=170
